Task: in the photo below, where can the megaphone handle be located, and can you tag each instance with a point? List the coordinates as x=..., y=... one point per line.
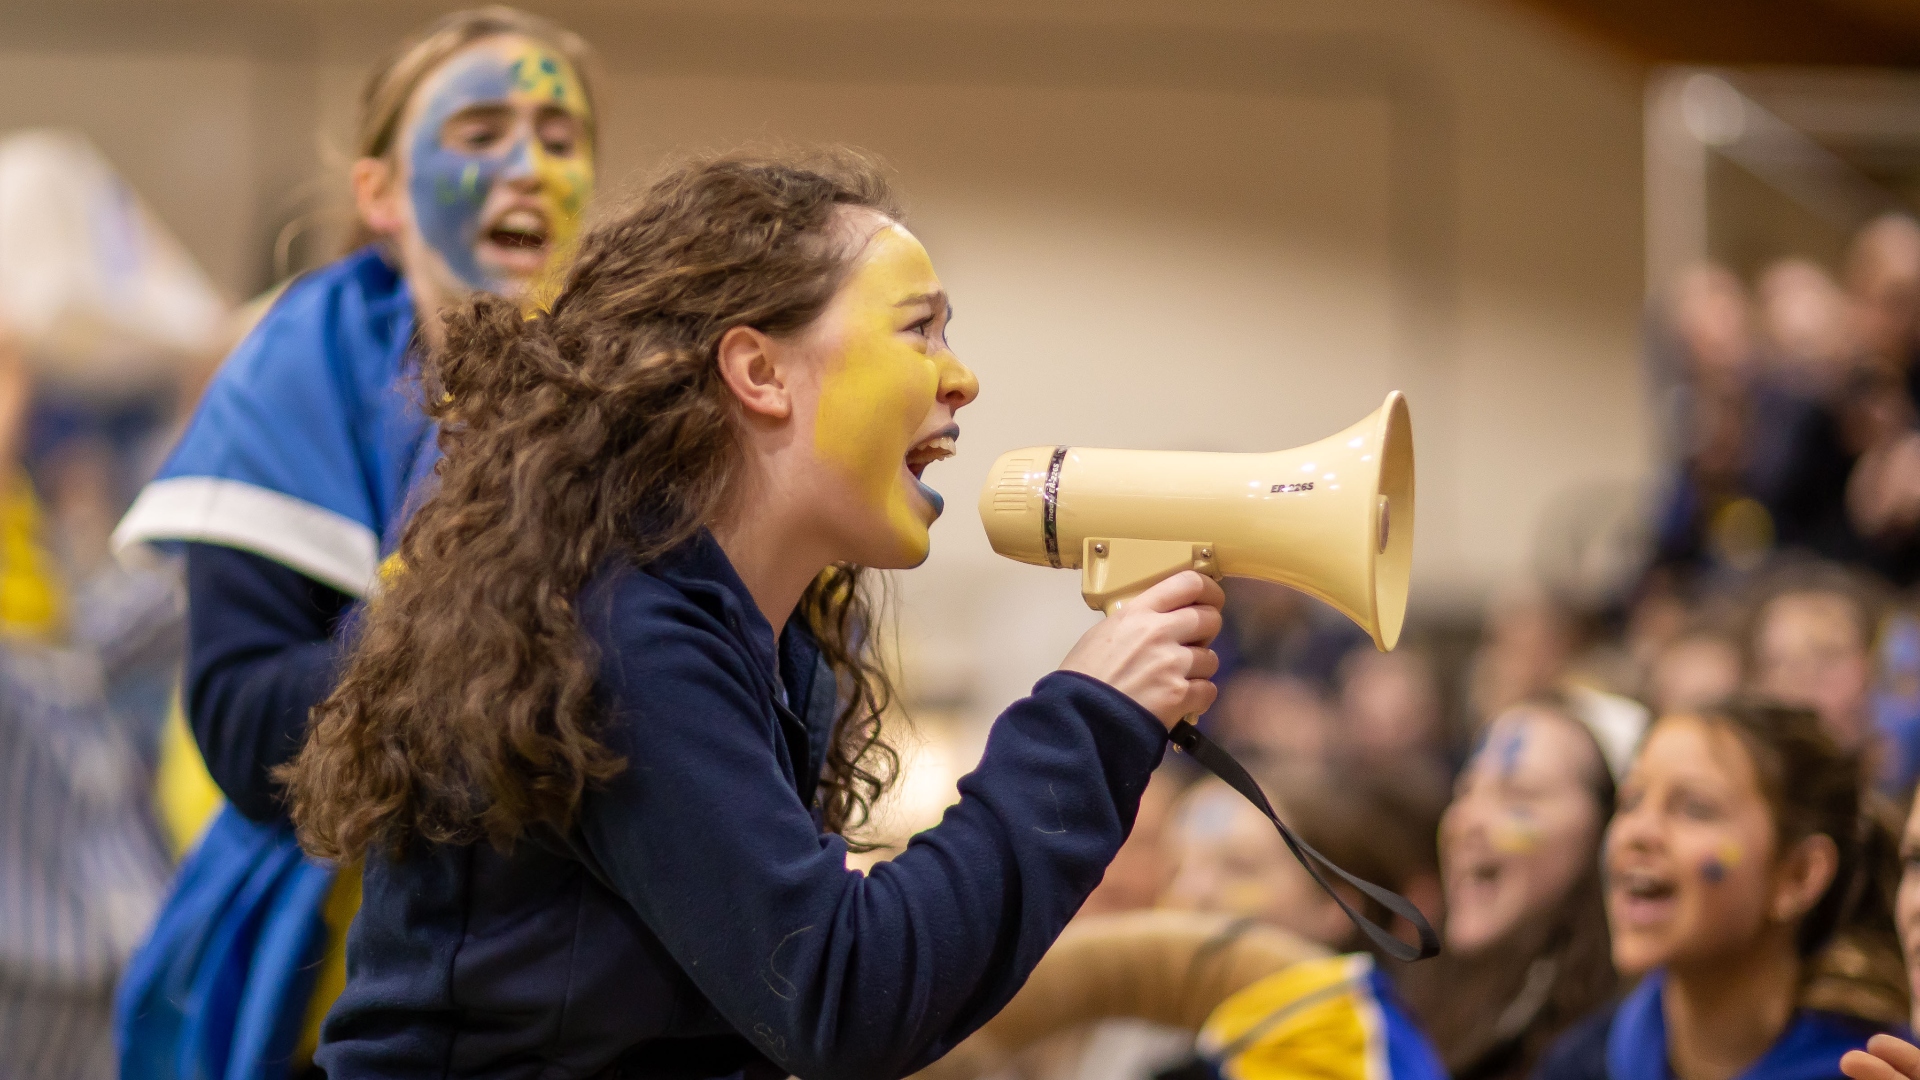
x=1115, y=570
x=1222, y=764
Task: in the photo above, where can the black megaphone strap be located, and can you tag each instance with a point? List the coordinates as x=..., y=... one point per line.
x=1222, y=764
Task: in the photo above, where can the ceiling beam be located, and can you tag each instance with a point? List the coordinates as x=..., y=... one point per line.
x=1839, y=32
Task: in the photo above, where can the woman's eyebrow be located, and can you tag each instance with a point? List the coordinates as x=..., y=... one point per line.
x=936, y=300
x=486, y=109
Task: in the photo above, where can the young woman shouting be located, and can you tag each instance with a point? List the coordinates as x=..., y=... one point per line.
x=598, y=736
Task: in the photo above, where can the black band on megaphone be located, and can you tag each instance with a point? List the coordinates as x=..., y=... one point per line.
x=1221, y=764
x=1050, y=507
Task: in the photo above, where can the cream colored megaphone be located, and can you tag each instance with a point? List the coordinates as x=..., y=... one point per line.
x=1333, y=519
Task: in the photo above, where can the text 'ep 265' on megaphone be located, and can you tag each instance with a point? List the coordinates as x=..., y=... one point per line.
x=1333, y=519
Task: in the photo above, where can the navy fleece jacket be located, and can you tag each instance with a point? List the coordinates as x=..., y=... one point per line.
x=698, y=923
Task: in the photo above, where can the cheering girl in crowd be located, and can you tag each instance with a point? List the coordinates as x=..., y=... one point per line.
x=475, y=162
x=1751, y=890
x=1526, y=932
x=601, y=731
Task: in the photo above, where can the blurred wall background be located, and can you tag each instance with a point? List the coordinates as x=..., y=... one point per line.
x=1228, y=226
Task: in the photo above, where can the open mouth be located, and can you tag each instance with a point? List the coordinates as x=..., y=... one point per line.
x=521, y=230
x=1643, y=897
x=1475, y=878
x=937, y=447
x=1480, y=877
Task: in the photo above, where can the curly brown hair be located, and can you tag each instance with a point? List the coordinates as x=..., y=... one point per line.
x=599, y=429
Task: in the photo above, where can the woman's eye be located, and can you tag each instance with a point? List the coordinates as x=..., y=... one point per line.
x=559, y=135
x=473, y=138
x=923, y=327
x=1699, y=809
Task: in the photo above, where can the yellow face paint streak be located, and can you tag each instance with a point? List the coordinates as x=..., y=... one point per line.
x=879, y=389
x=1515, y=833
x=541, y=78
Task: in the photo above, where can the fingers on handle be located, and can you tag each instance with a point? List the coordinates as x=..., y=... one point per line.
x=1195, y=625
x=1200, y=697
x=1205, y=663
x=1181, y=590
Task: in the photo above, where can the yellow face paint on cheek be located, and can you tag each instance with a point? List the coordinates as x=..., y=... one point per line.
x=1515, y=832
x=565, y=186
x=879, y=388
x=1724, y=860
x=541, y=79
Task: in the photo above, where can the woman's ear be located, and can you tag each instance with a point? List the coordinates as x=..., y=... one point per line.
x=377, y=195
x=1802, y=877
x=749, y=364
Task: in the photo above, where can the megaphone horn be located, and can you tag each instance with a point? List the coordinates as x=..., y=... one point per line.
x=1333, y=519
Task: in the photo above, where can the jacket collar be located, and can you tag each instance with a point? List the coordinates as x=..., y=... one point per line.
x=1809, y=1049
x=700, y=568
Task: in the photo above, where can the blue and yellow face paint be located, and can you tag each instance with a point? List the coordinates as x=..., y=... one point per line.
x=1726, y=858
x=531, y=96
x=1515, y=832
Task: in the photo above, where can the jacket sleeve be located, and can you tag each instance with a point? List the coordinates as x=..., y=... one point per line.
x=260, y=656
x=826, y=971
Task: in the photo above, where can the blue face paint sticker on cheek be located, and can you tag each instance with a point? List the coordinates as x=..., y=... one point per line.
x=449, y=187
x=1713, y=870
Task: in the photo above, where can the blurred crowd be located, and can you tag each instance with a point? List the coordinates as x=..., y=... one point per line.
x=107, y=331
x=1480, y=774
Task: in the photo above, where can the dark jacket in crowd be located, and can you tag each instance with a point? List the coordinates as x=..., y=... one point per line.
x=698, y=923
x=1628, y=1041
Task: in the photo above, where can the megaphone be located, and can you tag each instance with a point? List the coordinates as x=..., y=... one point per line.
x=1333, y=519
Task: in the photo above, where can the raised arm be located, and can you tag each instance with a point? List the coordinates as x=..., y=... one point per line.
x=826, y=971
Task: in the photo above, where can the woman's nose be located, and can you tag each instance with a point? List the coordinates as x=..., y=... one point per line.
x=519, y=167
x=958, y=384
x=1635, y=829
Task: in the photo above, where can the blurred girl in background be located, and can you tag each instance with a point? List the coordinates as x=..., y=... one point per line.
x=1750, y=888
x=1229, y=860
x=1526, y=932
x=475, y=163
